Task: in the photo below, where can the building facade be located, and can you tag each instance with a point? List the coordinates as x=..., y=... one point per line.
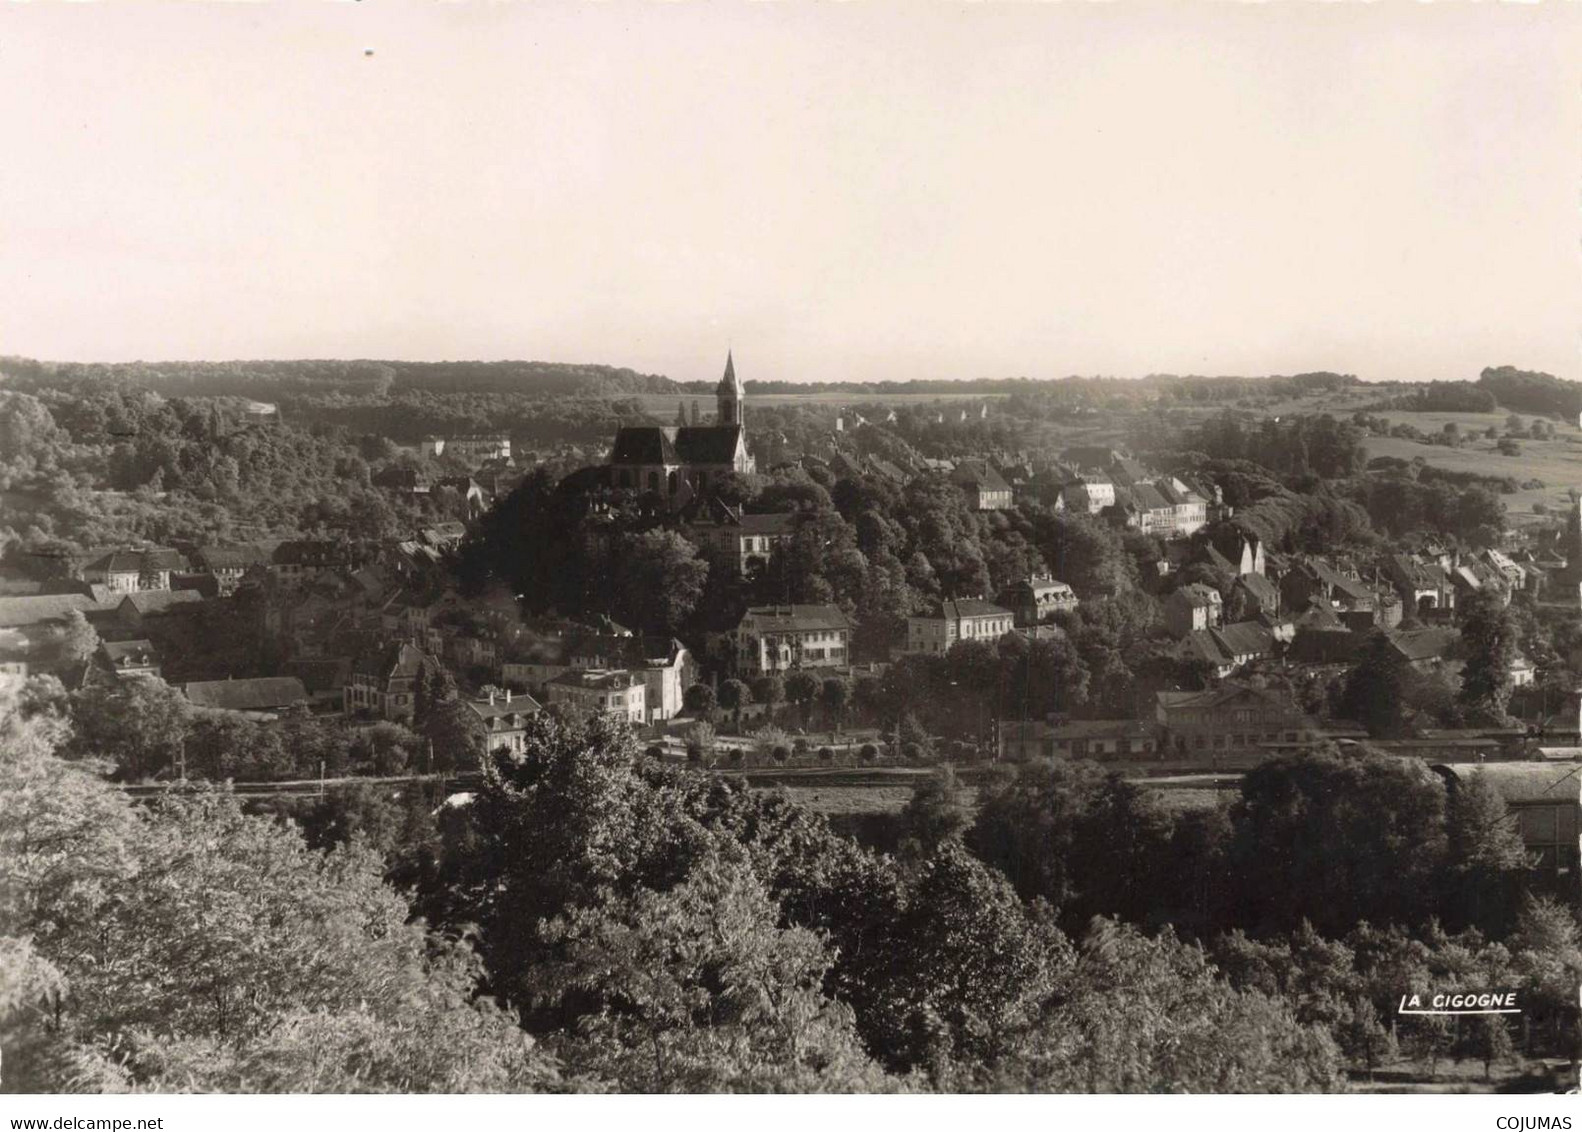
x=777, y=638
x=951, y=621
x=604, y=691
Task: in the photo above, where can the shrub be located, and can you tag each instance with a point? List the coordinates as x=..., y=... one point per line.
x=800, y=746
x=655, y=751
x=736, y=756
x=780, y=753
x=867, y=752
x=826, y=755
x=911, y=751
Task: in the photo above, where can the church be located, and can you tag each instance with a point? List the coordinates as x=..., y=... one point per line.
x=680, y=462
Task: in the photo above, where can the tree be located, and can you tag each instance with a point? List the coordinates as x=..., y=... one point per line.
x=1135, y=1013
x=1486, y=860
x=802, y=688
x=64, y=853
x=139, y=725
x=835, y=695
x=699, y=699
x=700, y=990
x=734, y=696
x=769, y=690
x=1081, y=838
x=1375, y=690
x=453, y=735
x=1490, y=638
x=1337, y=838
x=938, y=811
x=658, y=580
x=78, y=640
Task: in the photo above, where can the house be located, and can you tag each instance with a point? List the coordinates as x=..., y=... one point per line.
x=1424, y=586
x=1233, y=720
x=474, y=449
x=1188, y=509
x=229, y=564
x=443, y=536
x=254, y=695
x=1424, y=649
x=614, y=692
x=135, y=608
x=726, y=534
x=681, y=462
x=383, y=683
x=1523, y=672
x=295, y=561
x=1546, y=801
x=666, y=665
x=985, y=488
x=1358, y=604
x=32, y=610
x=1193, y=607
x=1036, y=599
x=128, y=571
x=1230, y=647
x=1512, y=574
x=952, y=620
x=129, y=658
x=1256, y=595
x=500, y=720
x=1089, y=493
x=775, y=638
x=1083, y=738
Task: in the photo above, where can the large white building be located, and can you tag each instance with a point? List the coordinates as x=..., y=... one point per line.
x=614, y=692
x=952, y=621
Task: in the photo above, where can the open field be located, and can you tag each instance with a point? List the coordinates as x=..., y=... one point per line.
x=663, y=405
x=1558, y=462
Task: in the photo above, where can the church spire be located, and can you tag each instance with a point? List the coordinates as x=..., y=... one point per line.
x=729, y=394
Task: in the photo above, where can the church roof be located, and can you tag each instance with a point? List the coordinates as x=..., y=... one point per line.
x=695, y=444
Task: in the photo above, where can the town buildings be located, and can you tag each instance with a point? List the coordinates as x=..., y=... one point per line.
x=777, y=638
x=952, y=620
x=1035, y=600
x=985, y=488
x=1193, y=607
x=474, y=449
x=614, y=692
x=1230, y=721
x=500, y=720
x=383, y=682
x=741, y=541
x=1082, y=738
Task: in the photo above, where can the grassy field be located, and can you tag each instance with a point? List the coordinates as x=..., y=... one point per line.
x=664, y=405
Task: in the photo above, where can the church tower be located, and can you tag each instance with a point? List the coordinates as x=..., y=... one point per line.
x=729, y=394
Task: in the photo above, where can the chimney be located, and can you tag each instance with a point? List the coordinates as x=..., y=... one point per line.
x=491, y=697
x=508, y=695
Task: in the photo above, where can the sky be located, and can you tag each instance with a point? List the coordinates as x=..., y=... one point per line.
x=858, y=191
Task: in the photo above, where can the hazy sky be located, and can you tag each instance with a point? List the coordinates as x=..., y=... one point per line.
x=860, y=191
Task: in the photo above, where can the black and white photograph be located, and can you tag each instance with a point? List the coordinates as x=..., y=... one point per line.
x=553, y=552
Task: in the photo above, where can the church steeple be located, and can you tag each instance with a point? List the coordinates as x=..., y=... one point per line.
x=729, y=395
